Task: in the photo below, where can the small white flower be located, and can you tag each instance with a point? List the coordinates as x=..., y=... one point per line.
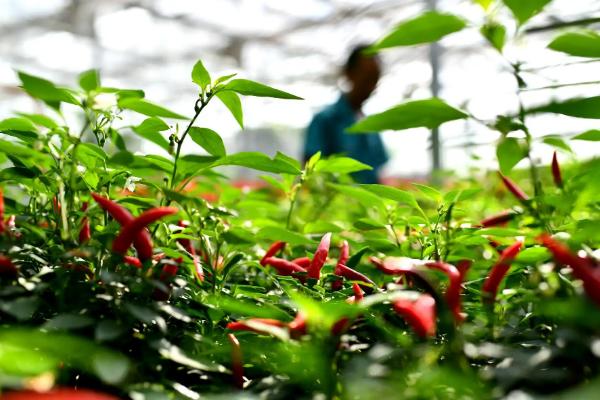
x=104, y=101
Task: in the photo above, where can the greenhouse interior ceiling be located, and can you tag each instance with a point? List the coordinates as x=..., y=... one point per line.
x=299, y=46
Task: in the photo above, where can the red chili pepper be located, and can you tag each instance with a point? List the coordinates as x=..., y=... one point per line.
x=344, y=253
x=133, y=261
x=168, y=271
x=351, y=274
x=58, y=394
x=244, y=326
x=187, y=244
x=583, y=268
x=237, y=361
x=284, y=267
x=134, y=228
x=358, y=293
x=304, y=262
x=514, y=189
x=273, y=250
x=390, y=267
x=454, y=288
x=297, y=327
x=419, y=314
x=143, y=242
x=2, y=228
x=497, y=219
x=463, y=267
x=85, y=233
x=7, y=268
x=498, y=272
x=56, y=205
x=314, y=270
x=556, y=175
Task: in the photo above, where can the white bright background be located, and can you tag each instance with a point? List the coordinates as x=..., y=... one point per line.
x=297, y=46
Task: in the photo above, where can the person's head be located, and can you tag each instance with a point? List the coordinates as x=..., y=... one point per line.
x=362, y=71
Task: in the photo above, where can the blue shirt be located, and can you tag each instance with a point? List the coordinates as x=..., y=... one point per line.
x=326, y=133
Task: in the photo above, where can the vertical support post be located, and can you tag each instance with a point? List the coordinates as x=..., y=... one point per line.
x=434, y=61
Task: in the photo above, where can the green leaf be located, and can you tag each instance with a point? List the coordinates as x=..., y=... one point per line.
x=557, y=142
x=429, y=113
x=287, y=159
x=391, y=193
x=17, y=124
x=509, y=153
x=495, y=33
x=285, y=235
x=583, y=43
x=45, y=90
x=523, y=10
x=580, y=108
x=428, y=27
x=209, y=140
x=222, y=79
x=200, y=75
x=457, y=195
x=428, y=191
x=247, y=87
x=365, y=197
x=233, y=103
x=322, y=227
x=258, y=161
x=533, y=255
x=150, y=129
x=368, y=224
x=593, y=135
x=40, y=120
x=341, y=165
x=160, y=162
x=89, y=80
x=146, y=108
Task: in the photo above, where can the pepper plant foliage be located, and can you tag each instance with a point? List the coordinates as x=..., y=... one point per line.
x=151, y=277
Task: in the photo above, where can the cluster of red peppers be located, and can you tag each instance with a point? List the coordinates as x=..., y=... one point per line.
x=133, y=230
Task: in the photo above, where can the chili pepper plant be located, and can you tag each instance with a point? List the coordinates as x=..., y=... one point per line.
x=152, y=276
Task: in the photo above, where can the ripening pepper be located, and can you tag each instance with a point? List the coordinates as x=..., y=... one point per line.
x=133, y=261
x=556, y=175
x=583, y=268
x=498, y=272
x=514, y=189
x=314, y=270
x=237, y=362
x=133, y=230
x=7, y=268
x=497, y=219
x=419, y=314
x=284, y=267
x=351, y=274
x=452, y=295
x=304, y=262
x=254, y=325
x=143, y=242
x=189, y=247
x=85, y=233
x=344, y=253
x=272, y=251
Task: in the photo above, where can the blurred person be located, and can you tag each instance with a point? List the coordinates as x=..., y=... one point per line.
x=326, y=132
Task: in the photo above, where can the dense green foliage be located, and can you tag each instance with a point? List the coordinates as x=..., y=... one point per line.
x=75, y=312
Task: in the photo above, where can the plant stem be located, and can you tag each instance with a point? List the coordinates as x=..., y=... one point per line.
x=203, y=102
